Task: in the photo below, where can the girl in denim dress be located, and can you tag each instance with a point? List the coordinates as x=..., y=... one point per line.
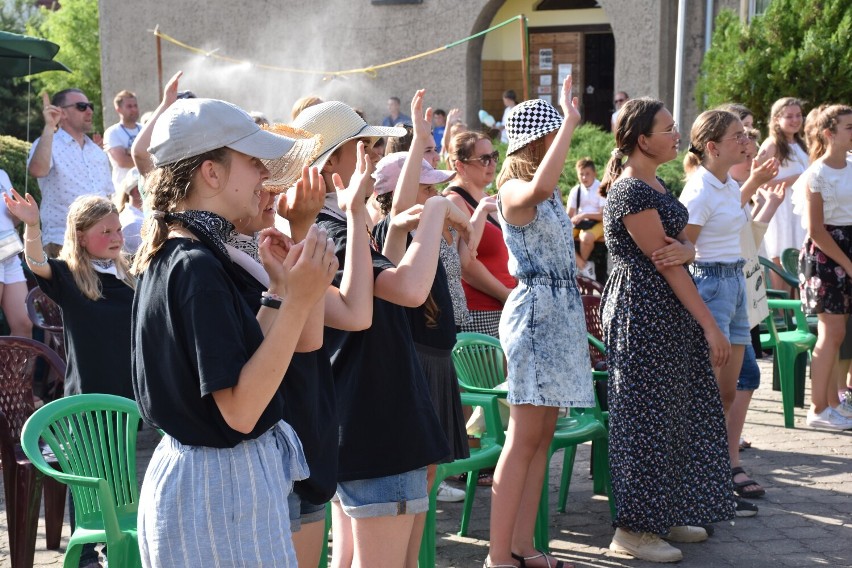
x=542, y=328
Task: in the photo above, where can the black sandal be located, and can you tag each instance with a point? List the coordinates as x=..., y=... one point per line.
x=740, y=486
x=523, y=560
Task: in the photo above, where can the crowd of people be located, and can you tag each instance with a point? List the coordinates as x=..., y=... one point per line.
x=282, y=301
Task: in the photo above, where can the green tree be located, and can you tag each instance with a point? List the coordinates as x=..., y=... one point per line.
x=798, y=48
x=74, y=27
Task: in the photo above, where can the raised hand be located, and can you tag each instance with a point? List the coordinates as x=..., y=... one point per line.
x=355, y=195
x=766, y=171
x=570, y=107
x=52, y=114
x=24, y=208
x=171, y=89
x=422, y=122
x=302, y=202
x=772, y=193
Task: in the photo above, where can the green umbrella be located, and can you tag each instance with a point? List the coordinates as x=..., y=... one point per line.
x=24, y=55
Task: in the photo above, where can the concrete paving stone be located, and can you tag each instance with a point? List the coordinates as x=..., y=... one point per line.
x=787, y=521
x=776, y=546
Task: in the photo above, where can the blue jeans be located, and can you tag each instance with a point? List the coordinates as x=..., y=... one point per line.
x=722, y=287
x=402, y=494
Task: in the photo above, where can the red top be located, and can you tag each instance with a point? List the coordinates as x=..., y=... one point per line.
x=494, y=255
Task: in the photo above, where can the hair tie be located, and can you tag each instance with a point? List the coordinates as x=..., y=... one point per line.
x=616, y=154
x=694, y=150
x=158, y=215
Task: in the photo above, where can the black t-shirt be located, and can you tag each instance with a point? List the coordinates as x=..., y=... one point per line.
x=387, y=423
x=443, y=334
x=192, y=334
x=309, y=407
x=97, y=332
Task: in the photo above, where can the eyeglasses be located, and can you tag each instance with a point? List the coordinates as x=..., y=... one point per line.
x=740, y=137
x=673, y=131
x=81, y=106
x=485, y=159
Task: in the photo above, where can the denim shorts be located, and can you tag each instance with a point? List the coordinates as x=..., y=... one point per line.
x=722, y=287
x=749, y=378
x=402, y=494
x=303, y=512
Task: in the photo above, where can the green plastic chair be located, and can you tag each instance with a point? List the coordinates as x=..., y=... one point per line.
x=491, y=444
x=788, y=345
x=94, y=439
x=480, y=363
x=790, y=261
x=579, y=427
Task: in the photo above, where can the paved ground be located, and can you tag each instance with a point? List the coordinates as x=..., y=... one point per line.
x=805, y=518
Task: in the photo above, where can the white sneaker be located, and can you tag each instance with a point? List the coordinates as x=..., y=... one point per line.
x=844, y=409
x=828, y=418
x=645, y=546
x=449, y=494
x=588, y=270
x=686, y=533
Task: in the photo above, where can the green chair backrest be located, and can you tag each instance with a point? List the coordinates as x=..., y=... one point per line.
x=94, y=439
x=479, y=362
x=790, y=261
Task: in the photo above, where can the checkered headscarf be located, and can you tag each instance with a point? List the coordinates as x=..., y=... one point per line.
x=530, y=120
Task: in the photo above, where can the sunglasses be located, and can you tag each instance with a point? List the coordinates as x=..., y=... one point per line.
x=81, y=106
x=485, y=159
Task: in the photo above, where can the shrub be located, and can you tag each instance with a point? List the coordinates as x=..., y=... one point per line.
x=13, y=159
x=797, y=48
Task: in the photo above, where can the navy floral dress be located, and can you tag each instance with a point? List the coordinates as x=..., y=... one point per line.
x=668, y=451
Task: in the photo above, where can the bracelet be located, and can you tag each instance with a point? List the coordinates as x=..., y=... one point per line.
x=270, y=300
x=35, y=262
x=35, y=238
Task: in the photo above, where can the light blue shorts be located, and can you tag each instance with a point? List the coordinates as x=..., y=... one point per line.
x=722, y=287
x=303, y=512
x=402, y=494
x=749, y=378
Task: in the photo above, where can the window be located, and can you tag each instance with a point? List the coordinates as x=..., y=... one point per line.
x=757, y=8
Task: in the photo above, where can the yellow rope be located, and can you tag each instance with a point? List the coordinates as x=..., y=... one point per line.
x=371, y=71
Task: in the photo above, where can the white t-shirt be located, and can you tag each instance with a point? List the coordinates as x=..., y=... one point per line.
x=835, y=186
x=74, y=171
x=118, y=136
x=7, y=221
x=715, y=207
x=590, y=198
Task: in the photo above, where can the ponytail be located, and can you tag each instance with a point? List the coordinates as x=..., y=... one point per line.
x=636, y=118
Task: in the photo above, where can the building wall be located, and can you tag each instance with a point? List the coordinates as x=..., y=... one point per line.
x=337, y=35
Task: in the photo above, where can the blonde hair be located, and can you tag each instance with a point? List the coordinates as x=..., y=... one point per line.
x=826, y=119
x=303, y=103
x=84, y=212
x=782, y=147
x=168, y=186
x=523, y=163
x=710, y=126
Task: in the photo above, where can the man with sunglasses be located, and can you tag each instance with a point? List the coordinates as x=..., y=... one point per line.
x=618, y=101
x=66, y=162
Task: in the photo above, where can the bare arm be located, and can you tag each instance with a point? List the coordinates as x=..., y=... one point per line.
x=310, y=266
x=405, y=193
x=410, y=282
x=121, y=157
x=139, y=150
x=26, y=209
x=519, y=198
x=647, y=232
x=350, y=307
x=40, y=161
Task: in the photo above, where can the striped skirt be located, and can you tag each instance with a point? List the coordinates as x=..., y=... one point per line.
x=202, y=506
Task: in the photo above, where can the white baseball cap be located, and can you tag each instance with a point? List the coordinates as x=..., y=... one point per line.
x=190, y=127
